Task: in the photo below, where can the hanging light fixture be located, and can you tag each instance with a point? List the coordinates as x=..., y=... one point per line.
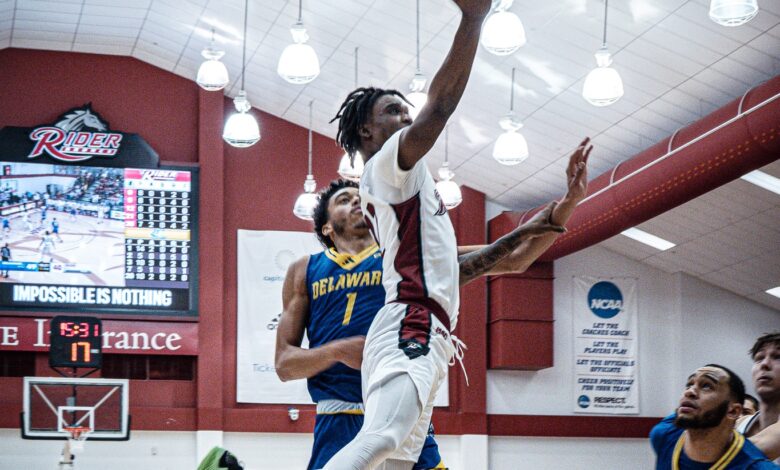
x=304, y=205
x=448, y=189
x=603, y=85
x=241, y=129
x=733, y=12
x=511, y=147
x=298, y=63
x=212, y=74
x=417, y=96
x=502, y=32
x=352, y=168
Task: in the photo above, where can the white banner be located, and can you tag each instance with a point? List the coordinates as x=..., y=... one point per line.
x=263, y=259
x=605, y=346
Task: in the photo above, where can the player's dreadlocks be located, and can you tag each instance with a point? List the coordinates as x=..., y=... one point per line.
x=354, y=113
x=320, y=215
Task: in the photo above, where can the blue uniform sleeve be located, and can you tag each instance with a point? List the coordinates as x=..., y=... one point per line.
x=763, y=465
x=662, y=432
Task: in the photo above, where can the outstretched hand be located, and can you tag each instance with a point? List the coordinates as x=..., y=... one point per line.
x=541, y=223
x=577, y=171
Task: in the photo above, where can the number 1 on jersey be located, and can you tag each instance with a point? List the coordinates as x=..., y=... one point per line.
x=350, y=305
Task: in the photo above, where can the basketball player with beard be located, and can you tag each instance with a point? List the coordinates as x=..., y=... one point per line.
x=701, y=434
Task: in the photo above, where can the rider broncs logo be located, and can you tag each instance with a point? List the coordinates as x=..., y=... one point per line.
x=605, y=299
x=79, y=134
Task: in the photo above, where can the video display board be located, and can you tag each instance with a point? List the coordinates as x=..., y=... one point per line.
x=95, y=237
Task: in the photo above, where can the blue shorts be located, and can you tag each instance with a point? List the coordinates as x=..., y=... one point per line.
x=333, y=432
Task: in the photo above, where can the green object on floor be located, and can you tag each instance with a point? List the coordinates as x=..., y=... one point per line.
x=219, y=459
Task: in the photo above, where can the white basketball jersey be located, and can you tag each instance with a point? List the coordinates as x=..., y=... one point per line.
x=410, y=223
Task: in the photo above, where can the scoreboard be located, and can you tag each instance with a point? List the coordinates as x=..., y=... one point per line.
x=91, y=221
x=158, y=217
x=76, y=342
x=128, y=240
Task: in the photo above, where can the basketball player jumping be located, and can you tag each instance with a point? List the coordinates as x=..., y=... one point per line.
x=408, y=345
x=335, y=295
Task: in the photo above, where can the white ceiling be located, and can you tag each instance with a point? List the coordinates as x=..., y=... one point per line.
x=676, y=64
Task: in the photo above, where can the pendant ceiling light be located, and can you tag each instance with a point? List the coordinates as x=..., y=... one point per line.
x=352, y=168
x=511, y=147
x=502, y=32
x=298, y=63
x=306, y=202
x=417, y=95
x=241, y=129
x=603, y=85
x=448, y=189
x=733, y=12
x=212, y=74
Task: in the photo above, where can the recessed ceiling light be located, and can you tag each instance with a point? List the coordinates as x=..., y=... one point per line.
x=764, y=180
x=774, y=291
x=648, y=239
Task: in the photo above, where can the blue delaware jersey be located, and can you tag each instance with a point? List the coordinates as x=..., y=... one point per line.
x=667, y=441
x=345, y=293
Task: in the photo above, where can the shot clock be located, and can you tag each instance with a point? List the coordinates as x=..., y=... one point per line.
x=76, y=342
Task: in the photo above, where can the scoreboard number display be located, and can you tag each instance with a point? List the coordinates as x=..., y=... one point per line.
x=157, y=228
x=76, y=342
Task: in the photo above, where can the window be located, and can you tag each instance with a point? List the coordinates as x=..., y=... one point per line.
x=148, y=367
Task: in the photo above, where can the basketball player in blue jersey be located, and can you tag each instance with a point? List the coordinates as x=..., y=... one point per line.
x=701, y=434
x=334, y=296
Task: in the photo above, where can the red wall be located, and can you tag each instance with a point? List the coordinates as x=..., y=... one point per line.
x=252, y=188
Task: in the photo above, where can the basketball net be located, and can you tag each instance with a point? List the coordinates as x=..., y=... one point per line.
x=78, y=435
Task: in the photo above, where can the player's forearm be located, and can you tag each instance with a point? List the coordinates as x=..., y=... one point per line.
x=564, y=210
x=530, y=250
x=487, y=258
x=294, y=363
x=450, y=81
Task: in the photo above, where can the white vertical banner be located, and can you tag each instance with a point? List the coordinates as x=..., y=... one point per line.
x=263, y=259
x=605, y=346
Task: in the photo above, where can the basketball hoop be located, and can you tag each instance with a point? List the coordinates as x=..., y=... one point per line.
x=77, y=436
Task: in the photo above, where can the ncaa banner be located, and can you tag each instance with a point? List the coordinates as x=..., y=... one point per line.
x=263, y=259
x=605, y=346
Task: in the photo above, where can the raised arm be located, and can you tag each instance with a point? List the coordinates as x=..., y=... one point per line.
x=446, y=87
x=293, y=362
x=577, y=188
x=527, y=249
x=488, y=259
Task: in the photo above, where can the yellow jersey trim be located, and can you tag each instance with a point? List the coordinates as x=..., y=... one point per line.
x=348, y=261
x=734, y=448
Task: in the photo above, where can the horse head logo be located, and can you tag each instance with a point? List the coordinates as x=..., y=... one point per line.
x=79, y=119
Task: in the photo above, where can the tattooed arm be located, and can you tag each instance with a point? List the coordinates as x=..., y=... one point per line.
x=485, y=259
x=524, y=250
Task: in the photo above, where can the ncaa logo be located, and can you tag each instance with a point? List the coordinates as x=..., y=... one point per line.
x=605, y=299
x=583, y=401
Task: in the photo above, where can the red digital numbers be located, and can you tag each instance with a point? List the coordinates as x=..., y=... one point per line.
x=77, y=330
